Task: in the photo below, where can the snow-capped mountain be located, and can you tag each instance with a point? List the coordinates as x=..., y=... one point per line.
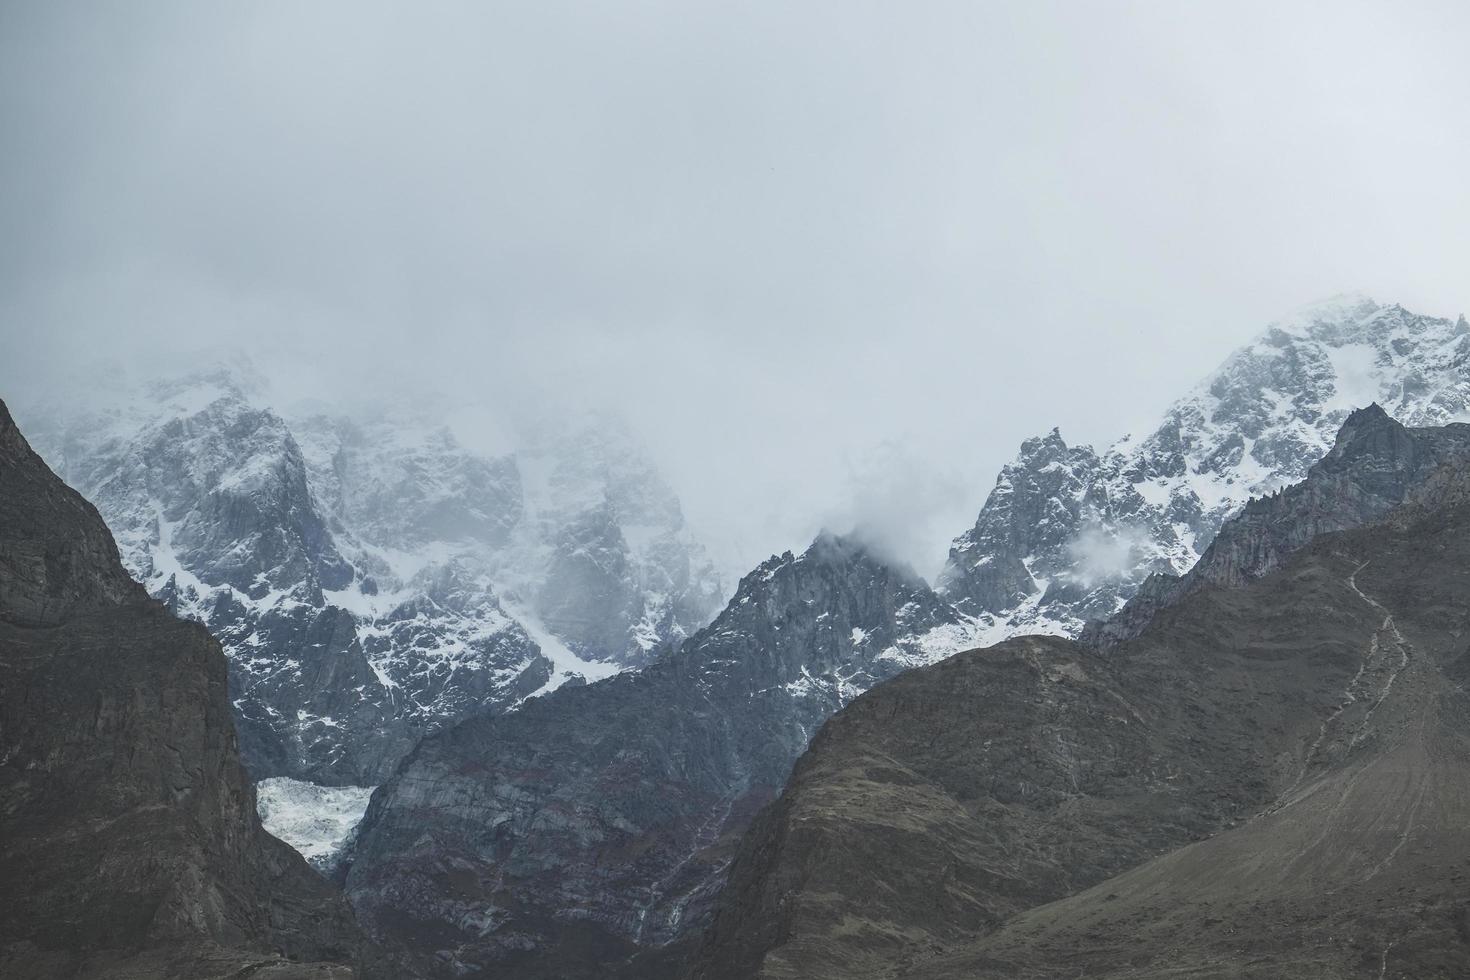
x=373, y=580
x=577, y=530
x=1068, y=534
x=1377, y=466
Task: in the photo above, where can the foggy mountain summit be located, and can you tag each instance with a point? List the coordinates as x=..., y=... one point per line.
x=1069, y=534
x=372, y=579
x=805, y=261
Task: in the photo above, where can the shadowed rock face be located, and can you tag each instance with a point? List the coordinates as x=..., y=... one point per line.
x=1272, y=779
x=58, y=557
x=129, y=843
x=587, y=833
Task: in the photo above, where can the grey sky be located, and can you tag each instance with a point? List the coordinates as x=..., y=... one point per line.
x=834, y=260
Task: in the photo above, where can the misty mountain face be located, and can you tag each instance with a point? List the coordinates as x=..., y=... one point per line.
x=590, y=828
x=131, y=846
x=1068, y=535
x=374, y=580
x=1272, y=772
x=578, y=530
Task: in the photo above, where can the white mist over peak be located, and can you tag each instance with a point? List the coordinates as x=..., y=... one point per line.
x=1330, y=312
x=1100, y=553
x=1069, y=534
x=901, y=505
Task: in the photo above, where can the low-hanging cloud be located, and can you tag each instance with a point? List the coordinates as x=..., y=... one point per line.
x=902, y=507
x=1105, y=552
x=771, y=235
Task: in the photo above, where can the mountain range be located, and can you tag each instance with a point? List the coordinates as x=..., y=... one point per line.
x=399, y=610
x=372, y=580
x=1267, y=778
x=606, y=886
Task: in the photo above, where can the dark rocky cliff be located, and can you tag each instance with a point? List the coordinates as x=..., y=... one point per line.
x=129, y=842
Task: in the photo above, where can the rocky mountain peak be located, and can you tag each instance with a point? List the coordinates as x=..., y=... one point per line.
x=1068, y=537
x=1371, y=434
x=1363, y=418
x=1040, y=450
x=847, y=554
x=831, y=620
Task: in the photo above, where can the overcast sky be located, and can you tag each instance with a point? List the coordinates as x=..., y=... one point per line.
x=833, y=260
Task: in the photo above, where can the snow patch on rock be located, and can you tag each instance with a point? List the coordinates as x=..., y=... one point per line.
x=316, y=820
